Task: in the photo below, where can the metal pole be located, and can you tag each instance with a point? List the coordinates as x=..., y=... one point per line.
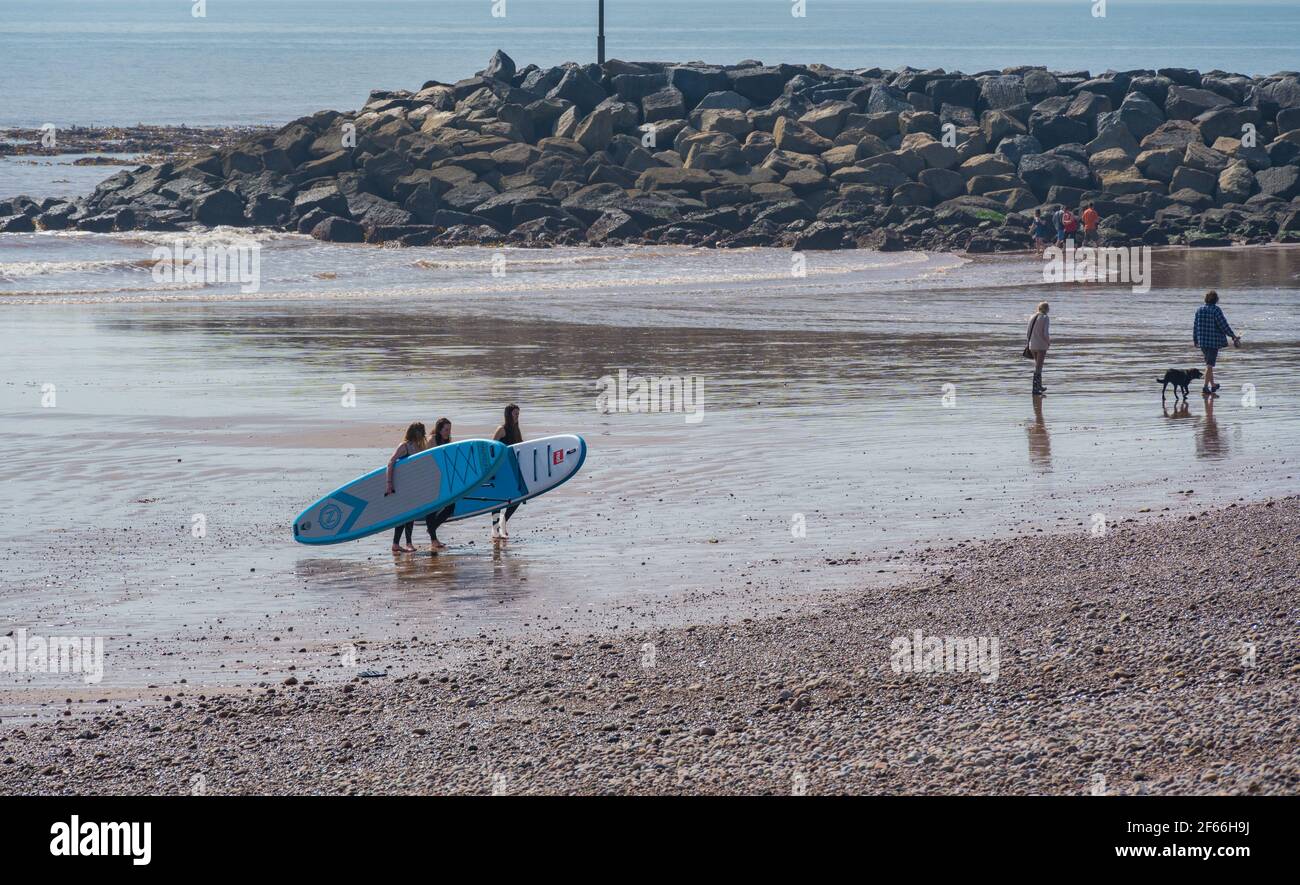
x=600, y=35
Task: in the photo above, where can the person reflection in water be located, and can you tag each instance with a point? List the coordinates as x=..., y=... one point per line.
x=1209, y=444
x=1040, y=439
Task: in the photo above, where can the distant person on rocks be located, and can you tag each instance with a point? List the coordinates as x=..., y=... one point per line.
x=1069, y=224
x=414, y=442
x=1058, y=222
x=1042, y=230
x=1090, y=221
x=509, y=434
x=1039, y=339
x=1210, y=332
x=441, y=437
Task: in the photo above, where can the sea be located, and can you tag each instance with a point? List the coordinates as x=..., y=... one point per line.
x=227, y=62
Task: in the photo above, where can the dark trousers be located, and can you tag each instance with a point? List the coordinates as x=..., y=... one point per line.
x=433, y=520
x=407, y=527
x=510, y=511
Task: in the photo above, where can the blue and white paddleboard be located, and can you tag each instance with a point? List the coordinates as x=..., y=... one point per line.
x=531, y=468
x=422, y=483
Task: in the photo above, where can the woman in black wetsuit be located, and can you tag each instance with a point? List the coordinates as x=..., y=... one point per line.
x=509, y=434
x=441, y=437
x=413, y=443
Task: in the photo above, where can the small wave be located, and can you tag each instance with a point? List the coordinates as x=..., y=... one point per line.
x=18, y=270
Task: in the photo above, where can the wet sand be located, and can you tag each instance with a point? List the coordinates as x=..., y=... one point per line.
x=1156, y=658
x=824, y=399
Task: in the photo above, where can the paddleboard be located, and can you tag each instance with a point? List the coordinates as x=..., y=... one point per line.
x=531, y=468
x=424, y=482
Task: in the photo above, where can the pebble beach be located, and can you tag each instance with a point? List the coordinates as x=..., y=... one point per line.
x=1158, y=657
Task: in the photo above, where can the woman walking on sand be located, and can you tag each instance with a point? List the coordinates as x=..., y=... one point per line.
x=441, y=437
x=509, y=434
x=1210, y=332
x=414, y=442
x=1039, y=338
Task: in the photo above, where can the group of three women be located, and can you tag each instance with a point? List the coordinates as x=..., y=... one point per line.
x=417, y=441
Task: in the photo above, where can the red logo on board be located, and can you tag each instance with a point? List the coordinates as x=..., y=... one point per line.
x=557, y=457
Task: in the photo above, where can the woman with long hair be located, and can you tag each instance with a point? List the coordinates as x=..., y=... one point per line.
x=509, y=434
x=414, y=442
x=441, y=437
x=1039, y=338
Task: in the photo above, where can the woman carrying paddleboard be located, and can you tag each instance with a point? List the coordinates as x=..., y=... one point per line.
x=509, y=434
x=415, y=442
x=441, y=437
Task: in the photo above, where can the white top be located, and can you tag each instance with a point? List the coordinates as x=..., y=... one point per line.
x=1041, y=334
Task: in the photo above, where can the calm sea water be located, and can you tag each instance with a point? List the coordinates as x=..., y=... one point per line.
x=268, y=61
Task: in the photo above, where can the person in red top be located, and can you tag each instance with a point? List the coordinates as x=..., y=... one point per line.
x=1069, y=224
x=1090, y=221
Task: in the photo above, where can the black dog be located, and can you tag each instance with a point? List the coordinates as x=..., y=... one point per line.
x=1179, y=378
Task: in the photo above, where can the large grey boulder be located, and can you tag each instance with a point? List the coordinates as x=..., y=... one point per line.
x=696, y=82
x=221, y=206
x=335, y=229
x=760, y=85
x=666, y=104
x=1002, y=92
x=577, y=87
x=1042, y=172
x=1282, y=182
x=1186, y=103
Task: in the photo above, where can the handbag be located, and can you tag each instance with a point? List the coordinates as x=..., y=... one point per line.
x=1027, y=353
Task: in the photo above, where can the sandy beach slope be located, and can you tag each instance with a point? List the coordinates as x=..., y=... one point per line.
x=1159, y=658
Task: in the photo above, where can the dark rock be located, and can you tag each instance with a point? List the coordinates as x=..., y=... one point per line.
x=500, y=67
x=885, y=99
x=666, y=104
x=786, y=211
x=219, y=207
x=1001, y=92
x=1226, y=122
x=961, y=92
x=384, y=170
x=668, y=178
x=943, y=183
x=695, y=82
x=1044, y=171
x=1058, y=129
x=268, y=210
x=1187, y=103
x=325, y=197
x=634, y=87
x=1196, y=179
x=821, y=235
x=19, y=223
x=466, y=197
x=760, y=85
x=1281, y=181
x=1140, y=113
x=575, y=86
x=338, y=230
x=1278, y=95
x=612, y=224
x=1017, y=146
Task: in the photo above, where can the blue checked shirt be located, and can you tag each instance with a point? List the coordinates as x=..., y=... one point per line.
x=1211, y=329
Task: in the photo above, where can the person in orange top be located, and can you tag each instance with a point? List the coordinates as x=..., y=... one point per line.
x=1090, y=220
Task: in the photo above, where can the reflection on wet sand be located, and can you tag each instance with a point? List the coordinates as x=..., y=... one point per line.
x=819, y=403
x=1040, y=439
x=1209, y=443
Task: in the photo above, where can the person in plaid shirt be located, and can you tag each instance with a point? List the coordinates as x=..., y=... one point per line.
x=1210, y=332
